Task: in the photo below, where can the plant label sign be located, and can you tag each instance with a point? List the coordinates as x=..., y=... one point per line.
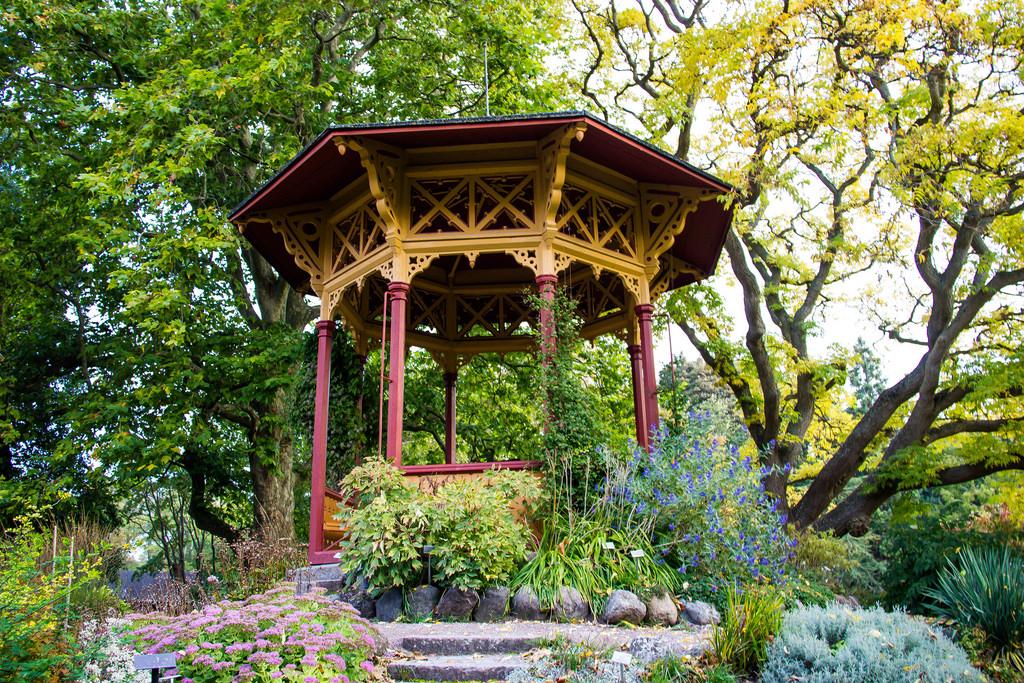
x=609, y=545
x=623, y=658
x=636, y=553
x=163, y=660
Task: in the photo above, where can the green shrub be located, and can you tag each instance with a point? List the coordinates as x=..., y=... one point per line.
x=37, y=606
x=984, y=588
x=844, y=565
x=708, y=510
x=836, y=645
x=926, y=530
x=385, y=539
x=751, y=620
x=477, y=539
x=303, y=637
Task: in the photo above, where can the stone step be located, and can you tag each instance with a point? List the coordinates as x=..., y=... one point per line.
x=462, y=645
x=480, y=667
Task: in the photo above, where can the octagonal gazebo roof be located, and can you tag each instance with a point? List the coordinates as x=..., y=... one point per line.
x=471, y=211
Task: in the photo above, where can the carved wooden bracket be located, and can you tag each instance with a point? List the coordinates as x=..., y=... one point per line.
x=553, y=152
x=302, y=239
x=665, y=214
x=526, y=258
x=384, y=166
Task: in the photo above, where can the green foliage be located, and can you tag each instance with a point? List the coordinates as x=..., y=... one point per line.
x=708, y=509
x=476, y=537
x=984, y=588
x=477, y=540
x=594, y=557
x=571, y=656
x=385, y=537
x=39, y=598
x=752, y=619
x=924, y=532
x=836, y=644
x=846, y=565
x=865, y=377
x=699, y=404
x=571, y=434
x=277, y=635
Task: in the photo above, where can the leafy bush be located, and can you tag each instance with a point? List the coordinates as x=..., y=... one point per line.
x=37, y=606
x=751, y=620
x=708, y=509
x=927, y=529
x=271, y=635
x=836, y=644
x=844, y=565
x=108, y=659
x=984, y=588
x=477, y=539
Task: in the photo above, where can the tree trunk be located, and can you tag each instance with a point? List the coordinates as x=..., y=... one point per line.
x=273, y=483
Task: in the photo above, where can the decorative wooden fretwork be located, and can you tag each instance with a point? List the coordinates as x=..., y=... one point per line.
x=384, y=166
x=427, y=311
x=598, y=295
x=300, y=233
x=471, y=203
x=419, y=263
x=526, y=258
x=498, y=315
x=597, y=220
x=666, y=213
x=357, y=235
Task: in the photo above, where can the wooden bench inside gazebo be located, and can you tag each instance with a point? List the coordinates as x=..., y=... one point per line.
x=427, y=234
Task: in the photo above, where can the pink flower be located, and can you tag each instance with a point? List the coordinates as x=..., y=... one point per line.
x=367, y=665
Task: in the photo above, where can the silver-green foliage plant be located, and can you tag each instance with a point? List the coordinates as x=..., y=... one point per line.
x=983, y=587
x=835, y=644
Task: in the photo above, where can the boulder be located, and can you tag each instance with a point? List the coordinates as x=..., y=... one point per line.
x=526, y=605
x=493, y=604
x=647, y=649
x=662, y=610
x=420, y=602
x=457, y=604
x=389, y=605
x=358, y=596
x=623, y=606
x=701, y=613
x=570, y=606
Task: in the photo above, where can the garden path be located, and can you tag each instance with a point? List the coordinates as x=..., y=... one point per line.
x=439, y=651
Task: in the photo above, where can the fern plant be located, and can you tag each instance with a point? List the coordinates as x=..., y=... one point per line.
x=983, y=587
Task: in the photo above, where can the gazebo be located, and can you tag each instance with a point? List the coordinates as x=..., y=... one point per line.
x=427, y=233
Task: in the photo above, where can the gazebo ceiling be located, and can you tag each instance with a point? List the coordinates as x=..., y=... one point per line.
x=470, y=211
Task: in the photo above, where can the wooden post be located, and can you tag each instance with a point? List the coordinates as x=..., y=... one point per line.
x=450, y=380
x=318, y=483
x=639, y=408
x=546, y=289
x=650, y=379
x=399, y=293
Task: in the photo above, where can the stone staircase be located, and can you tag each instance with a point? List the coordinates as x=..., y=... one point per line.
x=487, y=652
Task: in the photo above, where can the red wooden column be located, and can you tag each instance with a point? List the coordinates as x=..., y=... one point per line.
x=650, y=381
x=450, y=380
x=398, y=293
x=639, y=408
x=325, y=335
x=546, y=288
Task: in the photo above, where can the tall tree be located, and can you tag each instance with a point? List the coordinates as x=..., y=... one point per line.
x=870, y=142
x=161, y=116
